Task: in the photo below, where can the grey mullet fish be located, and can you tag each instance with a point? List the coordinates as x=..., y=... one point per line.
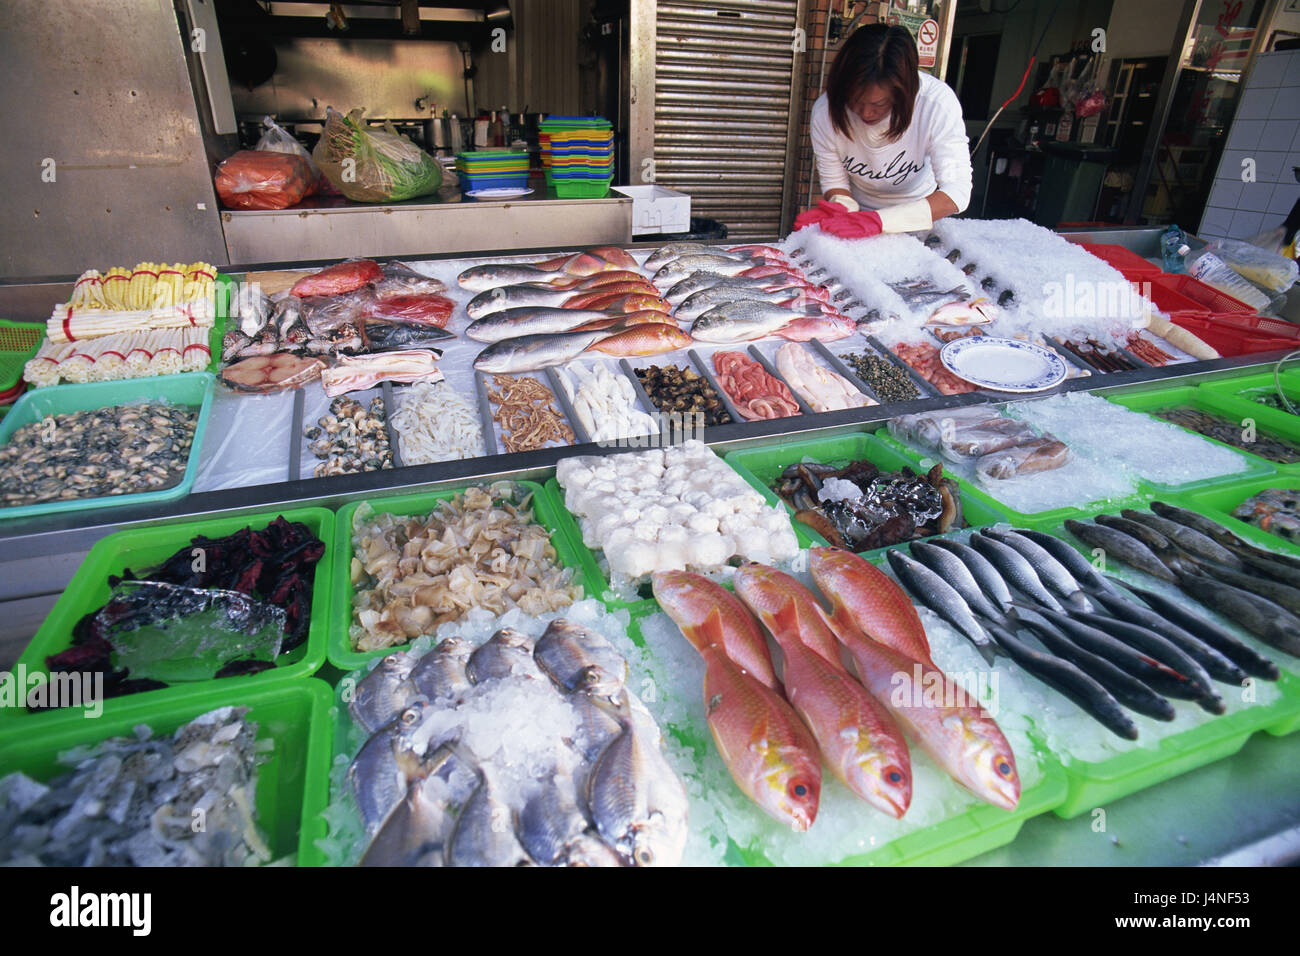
x=530, y=320
x=528, y=353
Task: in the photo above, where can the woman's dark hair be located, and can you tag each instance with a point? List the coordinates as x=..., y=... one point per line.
x=875, y=55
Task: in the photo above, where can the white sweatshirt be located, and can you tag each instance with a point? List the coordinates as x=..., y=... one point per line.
x=933, y=153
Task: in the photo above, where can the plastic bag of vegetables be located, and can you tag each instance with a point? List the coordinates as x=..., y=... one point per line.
x=257, y=179
x=373, y=165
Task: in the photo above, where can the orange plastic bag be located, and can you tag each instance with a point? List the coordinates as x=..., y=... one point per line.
x=260, y=179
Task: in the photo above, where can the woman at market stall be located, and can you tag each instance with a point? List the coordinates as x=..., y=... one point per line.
x=889, y=140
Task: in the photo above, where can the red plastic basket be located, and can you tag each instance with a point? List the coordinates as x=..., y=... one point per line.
x=1240, y=334
x=1128, y=262
x=1183, y=294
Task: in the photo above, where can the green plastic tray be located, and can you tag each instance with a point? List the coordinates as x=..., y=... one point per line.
x=292, y=785
x=1036, y=520
x=546, y=512
x=763, y=466
x=143, y=548
x=1097, y=783
x=194, y=389
x=1159, y=399
x=1218, y=504
x=19, y=341
x=225, y=288
x=581, y=188
x=975, y=830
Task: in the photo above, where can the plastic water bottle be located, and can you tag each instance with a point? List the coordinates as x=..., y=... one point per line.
x=1173, y=246
x=1213, y=271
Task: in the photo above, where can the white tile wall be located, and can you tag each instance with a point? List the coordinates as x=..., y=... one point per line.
x=1266, y=128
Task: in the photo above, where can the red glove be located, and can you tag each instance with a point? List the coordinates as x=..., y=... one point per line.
x=818, y=215
x=854, y=225
x=838, y=221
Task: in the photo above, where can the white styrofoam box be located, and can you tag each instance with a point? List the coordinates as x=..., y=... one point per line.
x=656, y=209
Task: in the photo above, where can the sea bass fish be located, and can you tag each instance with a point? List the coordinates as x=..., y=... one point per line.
x=527, y=353
x=514, y=296
x=744, y=320
x=497, y=274
x=860, y=741
x=697, y=303
x=653, y=338
x=713, y=615
x=675, y=250
x=530, y=320
x=679, y=268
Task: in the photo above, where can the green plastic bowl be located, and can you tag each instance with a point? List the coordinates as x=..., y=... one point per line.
x=142, y=548
x=339, y=647
x=292, y=786
x=194, y=389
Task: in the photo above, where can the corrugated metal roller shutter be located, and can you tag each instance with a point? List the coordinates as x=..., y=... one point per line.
x=722, y=107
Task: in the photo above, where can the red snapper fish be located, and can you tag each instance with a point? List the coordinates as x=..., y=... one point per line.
x=957, y=733
x=859, y=740
x=770, y=754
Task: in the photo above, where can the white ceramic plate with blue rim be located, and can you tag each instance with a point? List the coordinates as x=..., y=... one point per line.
x=1007, y=365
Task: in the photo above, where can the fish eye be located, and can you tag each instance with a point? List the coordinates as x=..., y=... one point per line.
x=1004, y=768
x=894, y=777
x=645, y=856
x=800, y=790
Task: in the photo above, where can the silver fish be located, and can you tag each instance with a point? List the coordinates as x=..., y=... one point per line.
x=507, y=653
x=1015, y=569
x=440, y=674
x=700, y=302
x=496, y=274
x=528, y=353
x=484, y=834
x=745, y=320
x=703, y=279
x=383, y=693
x=530, y=320
x=598, y=724
x=566, y=652
x=384, y=767
x=252, y=307
x=590, y=850
x=551, y=821
x=675, y=250
x=515, y=296
x=1050, y=571
x=938, y=595
x=638, y=804
x=415, y=831
x=683, y=266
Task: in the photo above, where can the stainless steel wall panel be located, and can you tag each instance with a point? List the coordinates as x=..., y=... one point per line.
x=102, y=88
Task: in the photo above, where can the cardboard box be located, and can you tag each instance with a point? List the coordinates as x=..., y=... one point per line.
x=656, y=209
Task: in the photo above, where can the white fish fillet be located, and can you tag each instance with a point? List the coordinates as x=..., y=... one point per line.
x=823, y=389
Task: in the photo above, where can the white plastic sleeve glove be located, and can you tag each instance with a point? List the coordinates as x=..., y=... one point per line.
x=906, y=217
x=848, y=202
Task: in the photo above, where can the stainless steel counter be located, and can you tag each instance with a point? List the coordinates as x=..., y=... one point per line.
x=1241, y=809
x=426, y=225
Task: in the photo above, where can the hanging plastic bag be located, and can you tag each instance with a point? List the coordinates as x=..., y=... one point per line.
x=256, y=179
x=369, y=165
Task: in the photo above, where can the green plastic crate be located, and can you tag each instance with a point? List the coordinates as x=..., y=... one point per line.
x=292, y=785
x=1039, y=520
x=580, y=188
x=225, y=289
x=1160, y=399
x=546, y=512
x=19, y=341
x=143, y=548
x=761, y=467
x=1218, y=504
x=1094, y=784
x=977, y=829
x=194, y=389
